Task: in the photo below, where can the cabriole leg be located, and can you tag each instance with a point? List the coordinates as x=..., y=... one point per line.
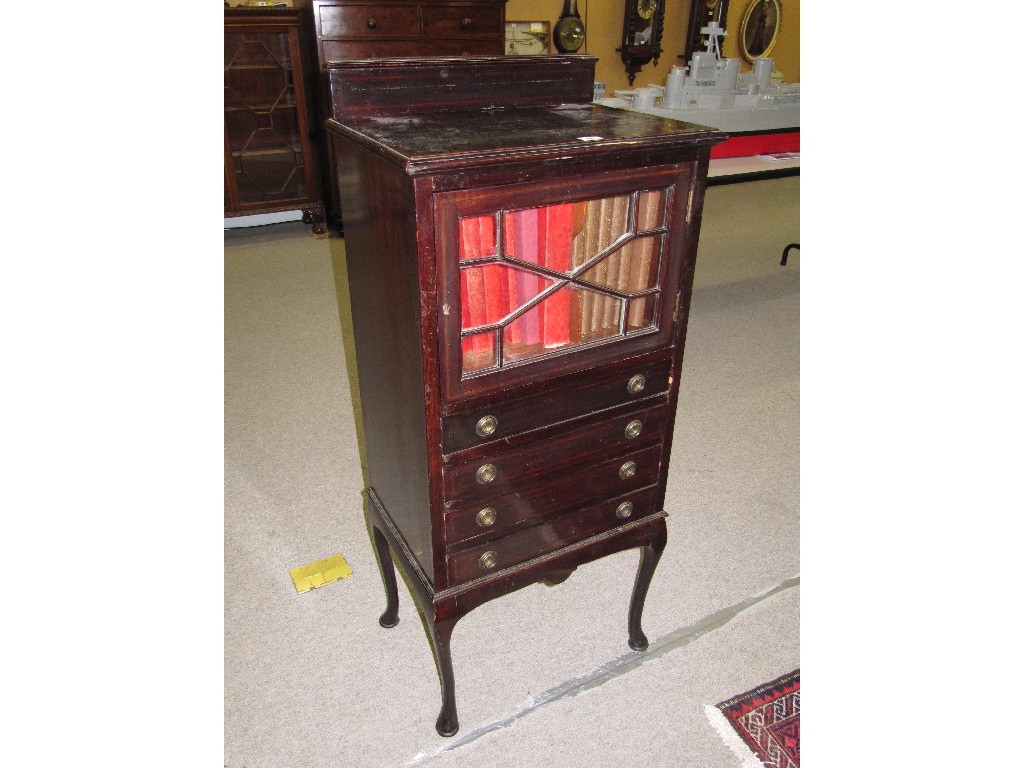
x=441, y=638
x=649, y=557
x=387, y=573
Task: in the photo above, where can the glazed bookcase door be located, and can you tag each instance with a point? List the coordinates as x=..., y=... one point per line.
x=544, y=278
x=264, y=124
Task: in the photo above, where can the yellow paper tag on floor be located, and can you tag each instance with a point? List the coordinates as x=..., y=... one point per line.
x=326, y=571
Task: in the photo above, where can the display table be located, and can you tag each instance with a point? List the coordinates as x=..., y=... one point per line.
x=763, y=144
x=764, y=130
x=731, y=170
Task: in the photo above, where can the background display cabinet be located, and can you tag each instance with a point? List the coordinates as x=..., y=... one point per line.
x=520, y=265
x=269, y=163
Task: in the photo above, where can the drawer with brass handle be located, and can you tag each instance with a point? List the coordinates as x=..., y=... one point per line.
x=528, y=543
x=574, y=397
x=554, y=453
x=498, y=516
x=460, y=21
x=341, y=21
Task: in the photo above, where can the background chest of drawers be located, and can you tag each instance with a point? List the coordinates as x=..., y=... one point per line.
x=358, y=29
x=519, y=281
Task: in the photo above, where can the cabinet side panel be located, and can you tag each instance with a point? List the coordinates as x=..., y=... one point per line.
x=686, y=227
x=380, y=247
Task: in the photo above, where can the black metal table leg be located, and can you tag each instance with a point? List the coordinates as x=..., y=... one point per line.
x=786, y=250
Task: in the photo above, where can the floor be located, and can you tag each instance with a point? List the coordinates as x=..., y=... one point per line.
x=544, y=674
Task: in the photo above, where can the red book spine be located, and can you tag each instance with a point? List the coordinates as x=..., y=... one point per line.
x=512, y=331
x=557, y=256
x=468, y=341
x=526, y=226
x=492, y=273
x=474, y=309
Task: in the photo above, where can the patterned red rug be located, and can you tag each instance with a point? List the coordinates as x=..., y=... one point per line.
x=768, y=720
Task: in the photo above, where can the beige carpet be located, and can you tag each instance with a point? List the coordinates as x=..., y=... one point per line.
x=544, y=676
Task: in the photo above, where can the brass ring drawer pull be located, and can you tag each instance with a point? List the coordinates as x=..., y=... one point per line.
x=486, y=426
x=466, y=22
x=488, y=559
x=636, y=384
x=627, y=470
x=624, y=510
x=486, y=473
x=634, y=428
x=486, y=517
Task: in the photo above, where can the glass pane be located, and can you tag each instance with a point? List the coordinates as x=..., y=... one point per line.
x=599, y=315
x=650, y=211
x=507, y=263
x=260, y=119
x=257, y=71
x=248, y=49
x=478, y=352
x=641, y=313
x=476, y=238
x=492, y=291
x=566, y=318
x=269, y=176
x=629, y=269
x=601, y=222
x=542, y=235
x=252, y=131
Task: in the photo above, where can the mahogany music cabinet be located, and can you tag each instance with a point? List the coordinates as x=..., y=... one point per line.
x=520, y=263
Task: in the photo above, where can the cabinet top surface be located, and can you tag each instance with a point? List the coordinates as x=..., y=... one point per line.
x=571, y=129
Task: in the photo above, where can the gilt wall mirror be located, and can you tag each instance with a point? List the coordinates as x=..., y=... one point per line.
x=759, y=30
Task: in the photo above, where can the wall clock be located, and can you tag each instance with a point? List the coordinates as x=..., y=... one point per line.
x=569, y=31
x=642, y=26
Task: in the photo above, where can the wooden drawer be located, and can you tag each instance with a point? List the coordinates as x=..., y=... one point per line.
x=570, y=452
x=343, y=21
x=579, y=396
x=500, y=516
x=518, y=547
x=334, y=50
x=461, y=21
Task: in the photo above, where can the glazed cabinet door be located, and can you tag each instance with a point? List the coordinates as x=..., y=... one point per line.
x=267, y=147
x=542, y=279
